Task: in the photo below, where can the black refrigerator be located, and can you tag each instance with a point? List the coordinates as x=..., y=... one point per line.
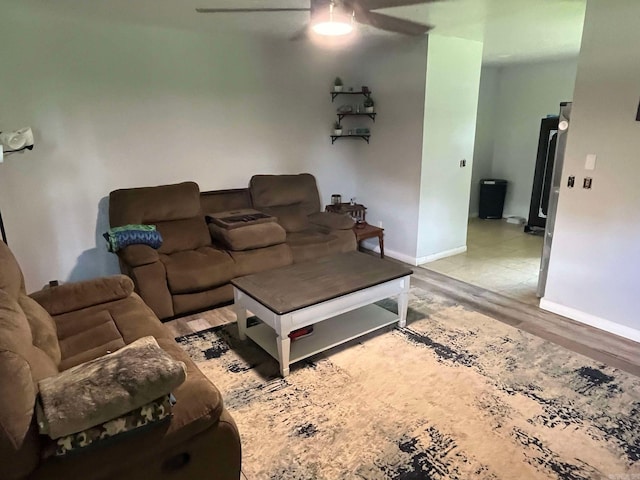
x=539, y=206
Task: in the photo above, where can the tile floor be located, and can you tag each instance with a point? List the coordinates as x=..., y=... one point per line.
x=500, y=257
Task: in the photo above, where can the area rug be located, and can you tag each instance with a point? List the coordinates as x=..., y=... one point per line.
x=454, y=395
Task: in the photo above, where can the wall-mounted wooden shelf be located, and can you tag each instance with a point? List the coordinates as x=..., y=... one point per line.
x=364, y=137
x=372, y=115
x=360, y=92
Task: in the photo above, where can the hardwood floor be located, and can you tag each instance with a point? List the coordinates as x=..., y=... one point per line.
x=589, y=341
x=597, y=344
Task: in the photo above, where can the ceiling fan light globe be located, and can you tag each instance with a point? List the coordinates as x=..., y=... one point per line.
x=333, y=28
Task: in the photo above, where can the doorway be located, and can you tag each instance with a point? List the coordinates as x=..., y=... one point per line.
x=505, y=254
x=500, y=257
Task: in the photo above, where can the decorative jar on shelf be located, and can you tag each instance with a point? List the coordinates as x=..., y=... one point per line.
x=337, y=131
x=337, y=85
x=369, y=105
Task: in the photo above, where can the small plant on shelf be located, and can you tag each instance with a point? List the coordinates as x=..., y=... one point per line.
x=337, y=84
x=337, y=128
x=369, y=104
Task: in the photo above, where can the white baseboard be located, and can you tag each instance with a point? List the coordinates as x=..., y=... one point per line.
x=439, y=255
x=414, y=260
x=400, y=256
x=592, y=320
x=374, y=247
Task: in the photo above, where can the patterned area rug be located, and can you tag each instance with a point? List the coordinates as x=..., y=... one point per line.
x=455, y=395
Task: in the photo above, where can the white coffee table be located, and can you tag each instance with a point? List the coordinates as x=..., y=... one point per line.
x=334, y=294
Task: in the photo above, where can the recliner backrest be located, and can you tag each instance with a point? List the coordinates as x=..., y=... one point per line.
x=29, y=352
x=175, y=210
x=268, y=191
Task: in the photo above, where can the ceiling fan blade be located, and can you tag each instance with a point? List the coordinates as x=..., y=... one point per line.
x=391, y=24
x=300, y=34
x=376, y=4
x=247, y=10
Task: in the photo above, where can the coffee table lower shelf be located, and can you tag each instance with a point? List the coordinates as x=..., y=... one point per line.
x=327, y=333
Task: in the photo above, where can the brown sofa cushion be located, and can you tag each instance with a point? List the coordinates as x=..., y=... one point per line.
x=43, y=328
x=291, y=217
x=332, y=221
x=185, y=234
x=138, y=255
x=22, y=365
x=90, y=336
x=77, y=295
x=92, y=393
x=248, y=237
x=149, y=205
x=311, y=244
x=280, y=190
x=260, y=259
x=11, y=279
x=196, y=270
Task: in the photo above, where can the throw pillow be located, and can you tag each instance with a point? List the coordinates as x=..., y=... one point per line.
x=107, y=387
x=138, y=420
x=120, y=237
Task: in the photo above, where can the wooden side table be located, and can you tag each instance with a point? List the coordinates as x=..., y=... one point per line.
x=364, y=231
x=357, y=211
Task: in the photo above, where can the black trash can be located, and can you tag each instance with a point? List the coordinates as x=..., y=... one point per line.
x=492, y=193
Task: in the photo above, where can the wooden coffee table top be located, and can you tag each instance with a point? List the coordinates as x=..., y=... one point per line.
x=301, y=285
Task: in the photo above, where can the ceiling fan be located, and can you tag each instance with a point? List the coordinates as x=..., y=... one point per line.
x=336, y=17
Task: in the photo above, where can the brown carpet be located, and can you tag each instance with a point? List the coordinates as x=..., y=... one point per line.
x=455, y=395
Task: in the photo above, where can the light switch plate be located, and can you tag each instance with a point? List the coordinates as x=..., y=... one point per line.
x=590, y=163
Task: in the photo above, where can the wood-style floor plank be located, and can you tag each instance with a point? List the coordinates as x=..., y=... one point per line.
x=597, y=344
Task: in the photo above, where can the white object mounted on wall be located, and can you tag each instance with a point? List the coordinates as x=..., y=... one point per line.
x=17, y=141
x=12, y=142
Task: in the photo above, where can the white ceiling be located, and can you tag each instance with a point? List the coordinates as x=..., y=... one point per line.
x=512, y=30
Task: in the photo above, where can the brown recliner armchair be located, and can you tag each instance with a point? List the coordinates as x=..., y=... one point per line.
x=187, y=272
x=295, y=201
x=60, y=327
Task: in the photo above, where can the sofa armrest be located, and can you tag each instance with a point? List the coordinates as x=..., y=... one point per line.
x=138, y=255
x=70, y=297
x=333, y=221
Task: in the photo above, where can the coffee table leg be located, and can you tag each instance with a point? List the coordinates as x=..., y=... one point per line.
x=403, y=304
x=241, y=316
x=284, y=345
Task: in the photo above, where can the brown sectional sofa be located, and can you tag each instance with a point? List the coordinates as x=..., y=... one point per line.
x=54, y=329
x=192, y=269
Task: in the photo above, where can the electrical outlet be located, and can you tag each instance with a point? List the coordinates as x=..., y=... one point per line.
x=572, y=181
x=463, y=163
x=587, y=182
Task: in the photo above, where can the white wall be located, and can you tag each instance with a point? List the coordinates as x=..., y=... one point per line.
x=486, y=128
x=451, y=101
x=388, y=169
x=115, y=106
x=526, y=94
x=595, y=258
